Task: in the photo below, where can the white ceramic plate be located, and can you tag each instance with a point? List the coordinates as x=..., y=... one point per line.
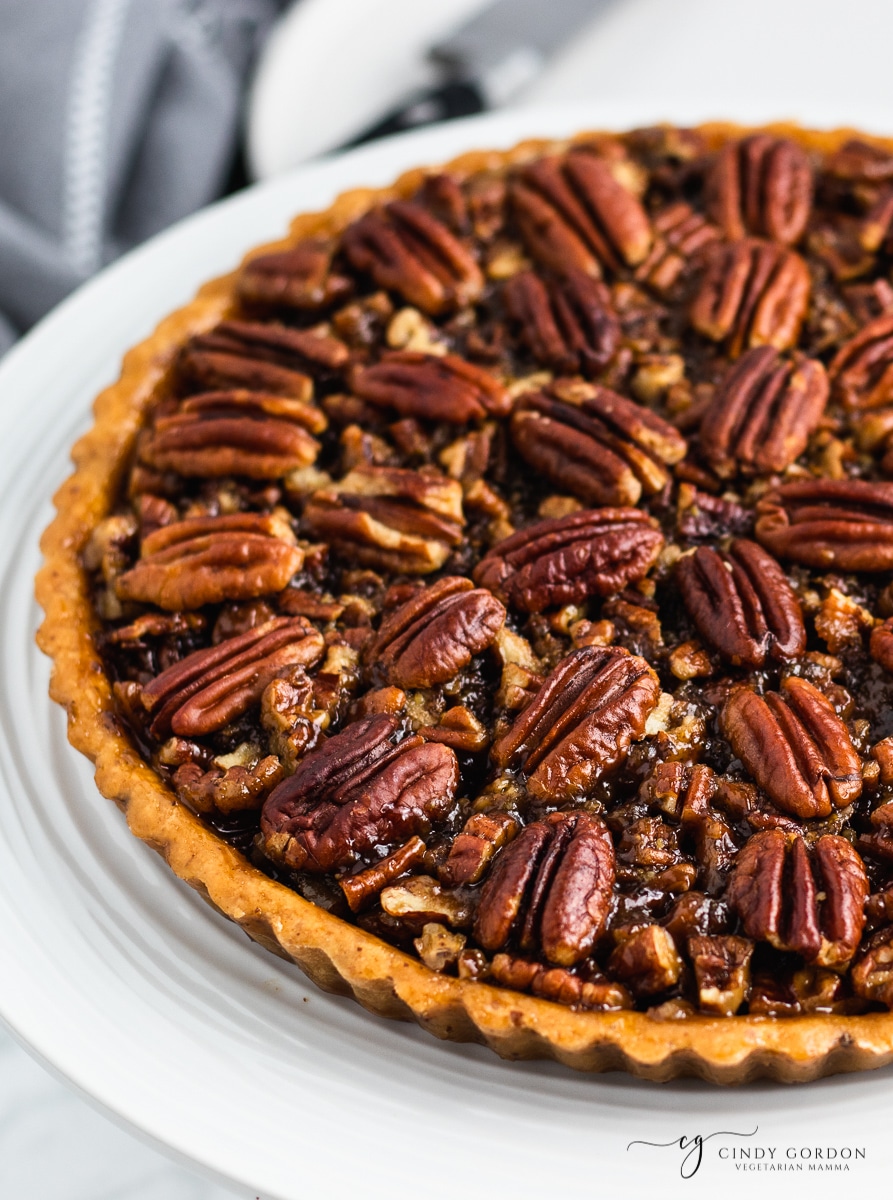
x=164, y=1014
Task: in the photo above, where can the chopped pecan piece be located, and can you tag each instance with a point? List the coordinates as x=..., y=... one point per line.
x=300, y=277
x=862, y=370
x=234, y=433
x=560, y=985
x=574, y=215
x=722, y=972
x=212, y=687
x=753, y=293
x=361, y=887
x=881, y=644
x=742, y=603
x=205, y=560
x=552, y=563
x=761, y=185
x=407, y=250
x=390, y=518
x=582, y=721
x=603, y=448
x=809, y=903
x=421, y=899
x=237, y=788
x=872, y=972
x=681, y=236
x=360, y=790
x=569, y=324
x=431, y=637
x=433, y=387
x=550, y=889
x=829, y=523
x=795, y=746
x=647, y=961
x=860, y=162
x=473, y=849
x=763, y=412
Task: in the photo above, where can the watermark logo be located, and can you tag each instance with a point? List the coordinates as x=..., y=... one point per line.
x=692, y=1148
x=755, y=1157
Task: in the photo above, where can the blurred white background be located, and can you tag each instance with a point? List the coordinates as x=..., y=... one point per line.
x=331, y=67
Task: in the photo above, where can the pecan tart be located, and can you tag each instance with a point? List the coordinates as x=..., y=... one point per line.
x=483, y=597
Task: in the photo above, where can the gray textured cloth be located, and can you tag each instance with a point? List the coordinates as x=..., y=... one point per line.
x=119, y=117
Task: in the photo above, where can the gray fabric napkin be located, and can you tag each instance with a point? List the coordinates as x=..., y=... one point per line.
x=118, y=118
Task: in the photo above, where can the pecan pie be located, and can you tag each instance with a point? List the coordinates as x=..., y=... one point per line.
x=484, y=598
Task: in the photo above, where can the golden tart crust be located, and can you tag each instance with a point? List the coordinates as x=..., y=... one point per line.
x=338, y=956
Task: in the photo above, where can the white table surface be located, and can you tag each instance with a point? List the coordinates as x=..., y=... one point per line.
x=787, y=57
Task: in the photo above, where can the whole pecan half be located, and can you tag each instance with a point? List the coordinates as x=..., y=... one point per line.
x=845, y=524
x=752, y=293
x=407, y=250
x=360, y=790
x=573, y=214
x=763, y=412
x=742, y=603
x=234, y=433
x=300, y=277
x=595, y=552
x=795, y=746
x=568, y=324
x=599, y=446
x=811, y=903
x=582, y=721
x=681, y=236
x=761, y=185
x=862, y=370
x=205, y=560
x=551, y=889
x=212, y=687
x=431, y=637
x=260, y=356
x=390, y=518
x=435, y=388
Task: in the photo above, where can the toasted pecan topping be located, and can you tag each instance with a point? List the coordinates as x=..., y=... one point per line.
x=594, y=443
x=235, y=433
x=753, y=293
x=360, y=790
x=810, y=903
x=742, y=603
x=761, y=185
x=591, y=553
x=795, y=746
x=574, y=215
x=436, y=633
x=209, y=559
x=408, y=250
x=569, y=324
x=763, y=412
x=582, y=722
x=824, y=523
x=551, y=888
x=432, y=387
x=391, y=518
